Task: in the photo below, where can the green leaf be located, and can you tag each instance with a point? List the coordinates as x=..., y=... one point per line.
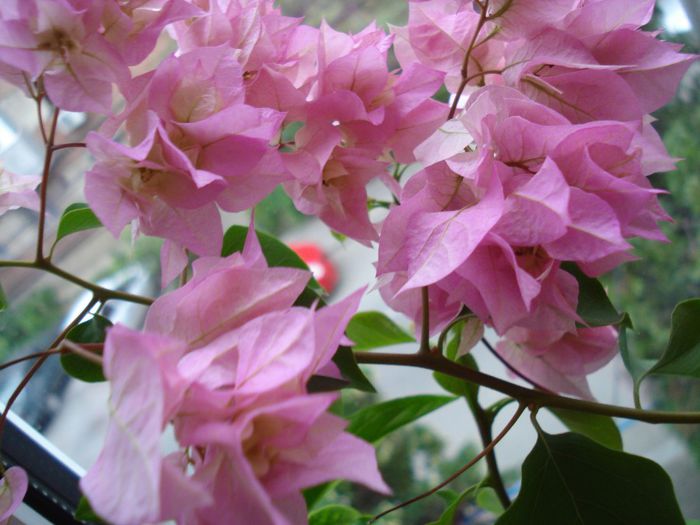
x=454, y=503
x=77, y=217
x=569, y=479
x=339, y=237
x=594, y=306
x=682, y=354
x=456, y=386
x=337, y=515
x=601, y=429
x=3, y=300
x=493, y=410
x=92, y=331
x=487, y=499
x=374, y=422
x=84, y=512
x=451, y=384
x=275, y=251
x=345, y=361
x=370, y=330
x=630, y=364
x=290, y=131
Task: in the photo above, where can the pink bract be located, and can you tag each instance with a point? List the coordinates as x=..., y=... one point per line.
x=14, y=486
x=227, y=366
x=17, y=191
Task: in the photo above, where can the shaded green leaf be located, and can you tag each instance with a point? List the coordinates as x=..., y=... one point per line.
x=92, y=331
x=456, y=386
x=630, y=364
x=84, y=512
x=77, y=217
x=318, y=384
x=682, y=354
x=594, y=306
x=314, y=494
x=370, y=330
x=276, y=254
x=337, y=515
x=345, y=361
x=601, y=429
x=3, y=299
x=569, y=479
x=275, y=251
x=374, y=422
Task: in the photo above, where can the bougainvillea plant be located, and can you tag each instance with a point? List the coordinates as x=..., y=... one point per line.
x=527, y=185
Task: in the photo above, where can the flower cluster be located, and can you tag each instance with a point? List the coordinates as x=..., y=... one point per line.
x=547, y=162
x=537, y=169
x=225, y=359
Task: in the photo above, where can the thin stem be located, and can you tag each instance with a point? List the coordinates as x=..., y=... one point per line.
x=40, y=117
x=465, y=65
x=425, y=322
x=103, y=294
x=510, y=367
x=39, y=362
x=69, y=145
x=487, y=450
x=636, y=392
x=78, y=350
x=28, y=357
x=44, y=182
x=484, y=423
x=439, y=363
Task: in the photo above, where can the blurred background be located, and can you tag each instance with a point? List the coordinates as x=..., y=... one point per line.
x=72, y=416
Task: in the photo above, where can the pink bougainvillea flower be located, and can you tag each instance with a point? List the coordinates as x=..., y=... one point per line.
x=561, y=364
x=437, y=35
x=620, y=75
x=129, y=481
x=155, y=186
x=274, y=451
x=340, y=197
x=223, y=294
x=17, y=191
x=512, y=189
x=14, y=486
x=200, y=100
x=133, y=27
x=60, y=41
x=228, y=369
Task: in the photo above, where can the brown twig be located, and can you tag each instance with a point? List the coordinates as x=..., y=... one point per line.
x=439, y=363
x=485, y=452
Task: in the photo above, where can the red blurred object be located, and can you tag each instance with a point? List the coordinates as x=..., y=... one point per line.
x=322, y=269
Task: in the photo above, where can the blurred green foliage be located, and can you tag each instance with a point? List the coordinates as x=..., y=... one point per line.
x=24, y=322
x=348, y=15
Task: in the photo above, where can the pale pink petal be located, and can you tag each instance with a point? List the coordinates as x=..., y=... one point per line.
x=14, y=486
x=124, y=484
x=439, y=242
